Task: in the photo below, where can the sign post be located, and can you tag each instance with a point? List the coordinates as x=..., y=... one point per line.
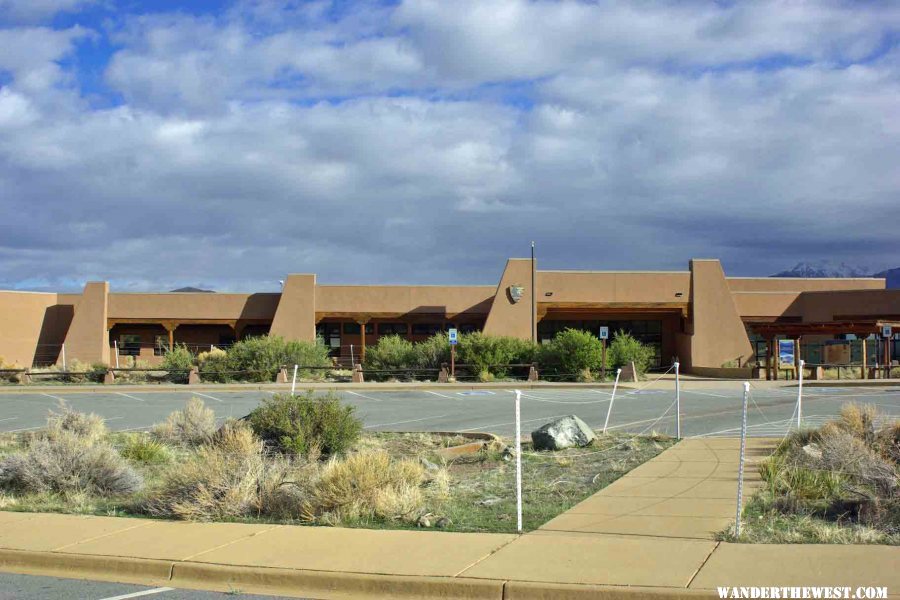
x=453, y=337
x=604, y=335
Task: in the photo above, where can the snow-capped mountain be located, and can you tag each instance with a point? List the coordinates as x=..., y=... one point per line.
x=827, y=268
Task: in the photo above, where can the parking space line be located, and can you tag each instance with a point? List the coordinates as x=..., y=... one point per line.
x=708, y=394
x=362, y=396
x=441, y=395
x=205, y=396
x=158, y=590
x=9, y=419
x=57, y=398
x=129, y=396
x=511, y=423
x=402, y=422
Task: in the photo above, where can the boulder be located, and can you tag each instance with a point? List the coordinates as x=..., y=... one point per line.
x=562, y=433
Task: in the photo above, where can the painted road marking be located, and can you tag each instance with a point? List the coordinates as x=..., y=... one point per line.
x=159, y=590
x=9, y=419
x=548, y=419
x=57, y=398
x=362, y=396
x=476, y=393
x=707, y=394
x=130, y=396
x=441, y=395
x=402, y=422
x=204, y=395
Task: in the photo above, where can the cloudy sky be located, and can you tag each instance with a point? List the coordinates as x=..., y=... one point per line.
x=224, y=144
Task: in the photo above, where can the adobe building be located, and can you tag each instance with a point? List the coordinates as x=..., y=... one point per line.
x=701, y=317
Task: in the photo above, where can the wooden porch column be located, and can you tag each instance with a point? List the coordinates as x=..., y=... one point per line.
x=768, y=360
x=362, y=340
x=865, y=375
x=775, y=364
x=171, y=326
x=887, y=357
x=797, y=356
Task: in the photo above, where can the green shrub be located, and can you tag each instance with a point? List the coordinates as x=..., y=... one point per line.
x=432, y=352
x=494, y=353
x=571, y=355
x=214, y=366
x=178, y=361
x=625, y=349
x=306, y=424
x=89, y=426
x=193, y=425
x=391, y=352
x=260, y=358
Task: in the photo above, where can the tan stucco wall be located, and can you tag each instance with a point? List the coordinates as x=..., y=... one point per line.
x=794, y=284
x=87, y=339
x=192, y=306
x=860, y=304
x=609, y=286
x=295, y=317
x=31, y=321
x=719, y=335
x=403, y=299
x=507, y=317
x=767, y=304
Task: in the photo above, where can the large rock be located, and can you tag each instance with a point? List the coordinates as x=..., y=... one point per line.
x=564, y=432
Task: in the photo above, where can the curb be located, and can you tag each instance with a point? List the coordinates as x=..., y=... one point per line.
x=315, y=584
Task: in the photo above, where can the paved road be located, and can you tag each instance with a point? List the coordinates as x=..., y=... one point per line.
x=706, y=410
x=28, y=587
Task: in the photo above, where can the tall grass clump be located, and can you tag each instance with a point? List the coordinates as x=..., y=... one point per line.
x=145, y=450
x=190, y=426
x=306, y=425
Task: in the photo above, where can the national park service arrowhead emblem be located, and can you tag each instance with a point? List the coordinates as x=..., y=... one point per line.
x=515, y=292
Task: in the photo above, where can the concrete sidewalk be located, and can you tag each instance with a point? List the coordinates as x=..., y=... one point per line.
x=650, y=534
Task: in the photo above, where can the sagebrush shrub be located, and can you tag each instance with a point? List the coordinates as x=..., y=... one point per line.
x=192, y=425
x=493, y=353
x=213, y=365
x=260, y=358
x=68, y=463
x=90, y=426
x=178, y=361
x=625, y=349
x=306, y=424
x=391, y=352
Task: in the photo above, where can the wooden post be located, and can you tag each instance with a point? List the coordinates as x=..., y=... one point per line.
x=453, y=361
x=864, y=360
x=887, y=358
x=362, y=341
x=768, y=360
x=797, y=357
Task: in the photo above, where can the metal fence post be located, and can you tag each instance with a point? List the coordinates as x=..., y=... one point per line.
x=800, y=393
x=611, y=400
x=294, y=381
x=518, y=461
x=677, y=401
x=740, y=490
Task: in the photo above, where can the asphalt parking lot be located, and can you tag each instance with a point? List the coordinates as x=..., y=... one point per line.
x=29, y=587
x=710, y=411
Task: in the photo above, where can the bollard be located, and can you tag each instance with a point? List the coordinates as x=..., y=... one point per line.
x=194, y=376
x=281, y=377
x=109, y=378
x=611, y=400
x=358, y=374
x=532, y=373
x=518, y=461
x=443, y=376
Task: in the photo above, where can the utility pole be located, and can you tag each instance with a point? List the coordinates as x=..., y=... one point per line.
x=533, y=299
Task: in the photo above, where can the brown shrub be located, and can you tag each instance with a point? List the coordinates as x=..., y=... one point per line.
x=193, y=425
x=88, y=426
x=859, y=421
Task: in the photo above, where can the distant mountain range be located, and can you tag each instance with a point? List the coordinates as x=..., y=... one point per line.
x=825, y=268
x=194, y=290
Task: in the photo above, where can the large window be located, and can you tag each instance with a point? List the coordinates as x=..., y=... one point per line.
x=392, y=329
x=353, y=328
x=427, y=328
x=330, y=334
x=129, y=345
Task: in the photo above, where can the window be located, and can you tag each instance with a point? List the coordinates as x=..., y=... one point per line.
x=353, y=329
x=129, y=345
x=330, y=334
x=427, y=328
x=392, y=329
x=468, y=328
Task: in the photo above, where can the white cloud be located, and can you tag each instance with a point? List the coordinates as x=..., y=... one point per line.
x=30, y=11
x=645, y=134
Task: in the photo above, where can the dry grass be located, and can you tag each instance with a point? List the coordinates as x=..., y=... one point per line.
x=193, y=425
x=88, y=426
